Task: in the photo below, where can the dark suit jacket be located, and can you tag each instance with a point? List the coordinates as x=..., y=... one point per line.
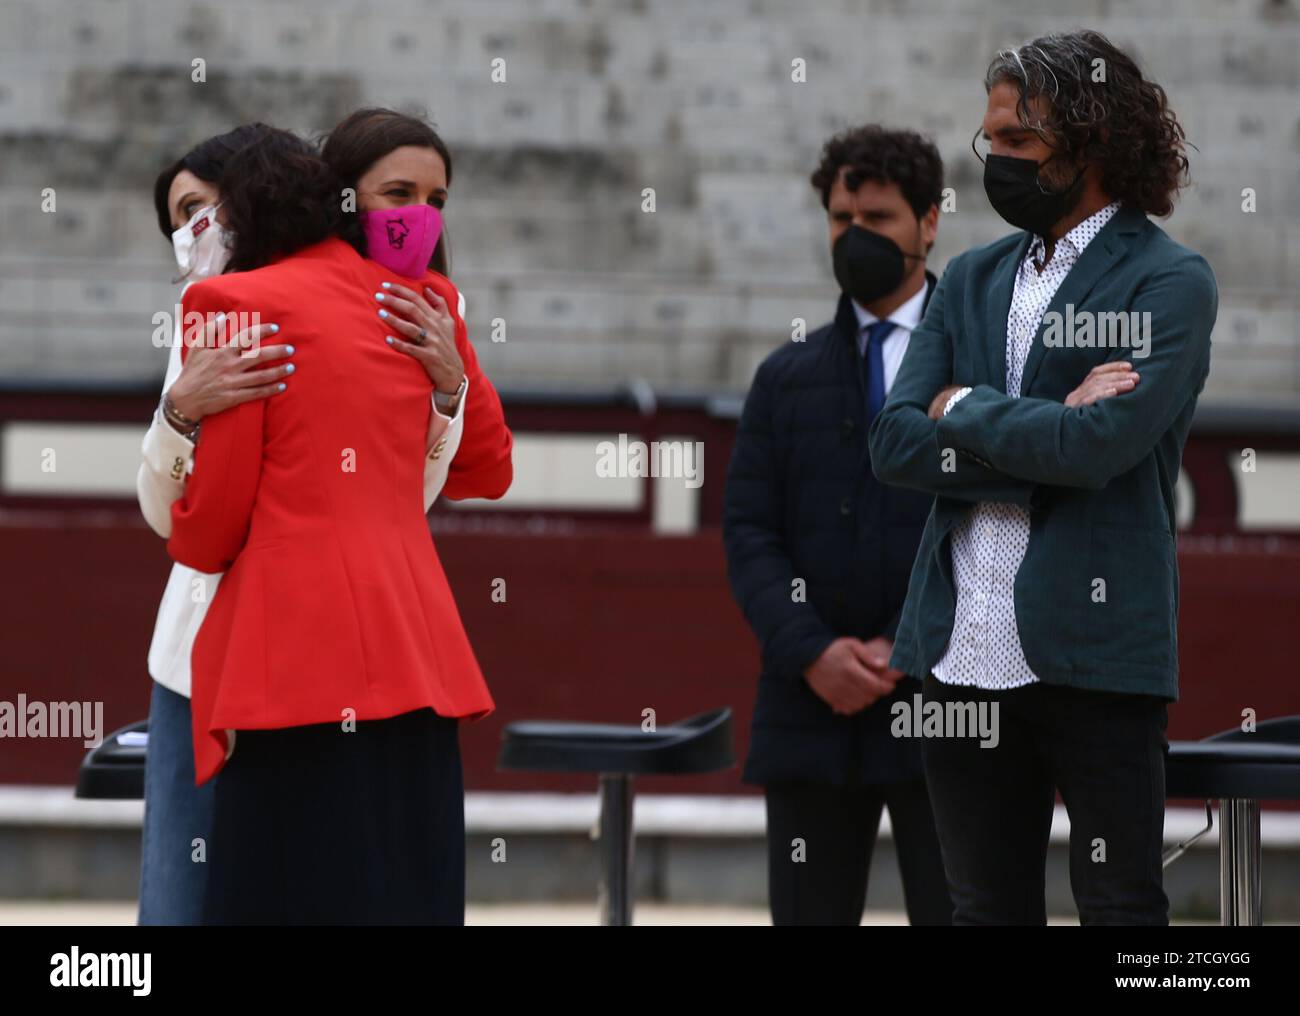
x=1099, y=480
x=802, y=503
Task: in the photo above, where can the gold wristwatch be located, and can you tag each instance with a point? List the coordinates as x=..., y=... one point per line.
x=447, y=403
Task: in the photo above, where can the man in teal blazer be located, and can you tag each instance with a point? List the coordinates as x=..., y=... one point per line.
x=1045, y=400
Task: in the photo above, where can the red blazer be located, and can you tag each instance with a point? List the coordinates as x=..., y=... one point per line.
x=334, y=603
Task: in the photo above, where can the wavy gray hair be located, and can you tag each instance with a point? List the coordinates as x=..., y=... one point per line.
x=1099, y=108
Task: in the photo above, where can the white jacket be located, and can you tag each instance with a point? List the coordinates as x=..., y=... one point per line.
x=168, y=459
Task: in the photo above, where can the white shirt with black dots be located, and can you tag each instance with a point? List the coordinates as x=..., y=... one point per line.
x=988, y=546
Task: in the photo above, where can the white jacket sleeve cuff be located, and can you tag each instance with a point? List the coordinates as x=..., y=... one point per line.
x=954, y=398
x=440, y=448
x=168, y=459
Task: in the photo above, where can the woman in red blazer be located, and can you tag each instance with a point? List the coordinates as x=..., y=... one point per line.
x=332, y=667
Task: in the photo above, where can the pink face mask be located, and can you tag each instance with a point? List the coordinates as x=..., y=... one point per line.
x=402, y=239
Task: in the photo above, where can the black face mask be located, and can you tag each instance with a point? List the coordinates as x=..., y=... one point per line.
x=867, y=264
x=1016, y=195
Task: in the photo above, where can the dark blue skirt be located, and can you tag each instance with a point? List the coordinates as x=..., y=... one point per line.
x=315, y=825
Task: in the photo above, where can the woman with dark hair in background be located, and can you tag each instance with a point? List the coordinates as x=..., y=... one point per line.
x=178, y=815
x=398, y=171
x=332, y=669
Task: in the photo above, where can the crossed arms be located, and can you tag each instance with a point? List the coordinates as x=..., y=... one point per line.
x=994, y=447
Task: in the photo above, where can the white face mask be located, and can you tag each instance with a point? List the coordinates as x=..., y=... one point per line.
x=200, y=245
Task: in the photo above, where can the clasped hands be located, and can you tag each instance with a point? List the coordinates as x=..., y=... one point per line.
x=851, y=674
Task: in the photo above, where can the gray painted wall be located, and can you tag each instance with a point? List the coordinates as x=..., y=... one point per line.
x=600, y=101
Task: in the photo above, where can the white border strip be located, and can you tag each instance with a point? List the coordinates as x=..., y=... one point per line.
x=687, y=815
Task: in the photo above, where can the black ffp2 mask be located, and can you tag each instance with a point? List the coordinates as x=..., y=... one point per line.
x=868, y=265
x=1015, y=193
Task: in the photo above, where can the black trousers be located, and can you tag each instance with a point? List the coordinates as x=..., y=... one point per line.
x=318, y=825
x=993, y=807
x=822, y=878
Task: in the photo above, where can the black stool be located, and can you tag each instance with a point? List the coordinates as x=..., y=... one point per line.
x=1239, y=769
x=699, y=744
x=114, y=768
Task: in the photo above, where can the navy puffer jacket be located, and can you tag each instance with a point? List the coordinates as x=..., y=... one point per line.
x=803, y=504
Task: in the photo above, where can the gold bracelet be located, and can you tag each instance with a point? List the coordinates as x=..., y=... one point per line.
x=169, y=407
x=181, y=423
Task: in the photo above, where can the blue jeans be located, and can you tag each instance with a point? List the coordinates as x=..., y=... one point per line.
x=176, y=813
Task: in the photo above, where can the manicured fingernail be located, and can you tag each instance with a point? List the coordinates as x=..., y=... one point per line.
x=274, y=329
x=281, y=386
x=379, y=296
x=289, y=369
x=383, y=313
x=387, y=285
x=388, y=339
x=288, y=350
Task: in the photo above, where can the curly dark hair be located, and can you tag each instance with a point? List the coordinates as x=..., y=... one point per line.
x=206, y=160
x=1123, y=122
x=884, y=155
x=277, y=196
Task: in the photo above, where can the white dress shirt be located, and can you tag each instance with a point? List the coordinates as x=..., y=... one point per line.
x=168, y=459
x=989, y=544
x=906, y=316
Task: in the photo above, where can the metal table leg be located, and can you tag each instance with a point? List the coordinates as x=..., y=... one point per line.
x=1239, y=862
x=616, y=844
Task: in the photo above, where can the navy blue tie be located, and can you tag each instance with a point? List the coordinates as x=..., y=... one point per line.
x=873, y=367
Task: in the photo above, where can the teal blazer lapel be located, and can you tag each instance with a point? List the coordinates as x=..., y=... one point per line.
x=1001, y=286
x=1096, y=260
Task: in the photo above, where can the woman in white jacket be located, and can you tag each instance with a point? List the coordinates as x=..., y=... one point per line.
x=178, y=815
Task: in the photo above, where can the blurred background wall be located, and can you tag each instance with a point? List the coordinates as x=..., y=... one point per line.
x=602, y=100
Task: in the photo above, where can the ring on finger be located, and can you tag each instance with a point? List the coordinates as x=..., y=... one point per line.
x=423, y=335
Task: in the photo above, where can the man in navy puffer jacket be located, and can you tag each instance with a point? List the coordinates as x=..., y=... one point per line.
x=819, y=553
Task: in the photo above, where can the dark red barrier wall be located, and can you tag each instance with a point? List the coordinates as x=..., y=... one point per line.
x=597, y=626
